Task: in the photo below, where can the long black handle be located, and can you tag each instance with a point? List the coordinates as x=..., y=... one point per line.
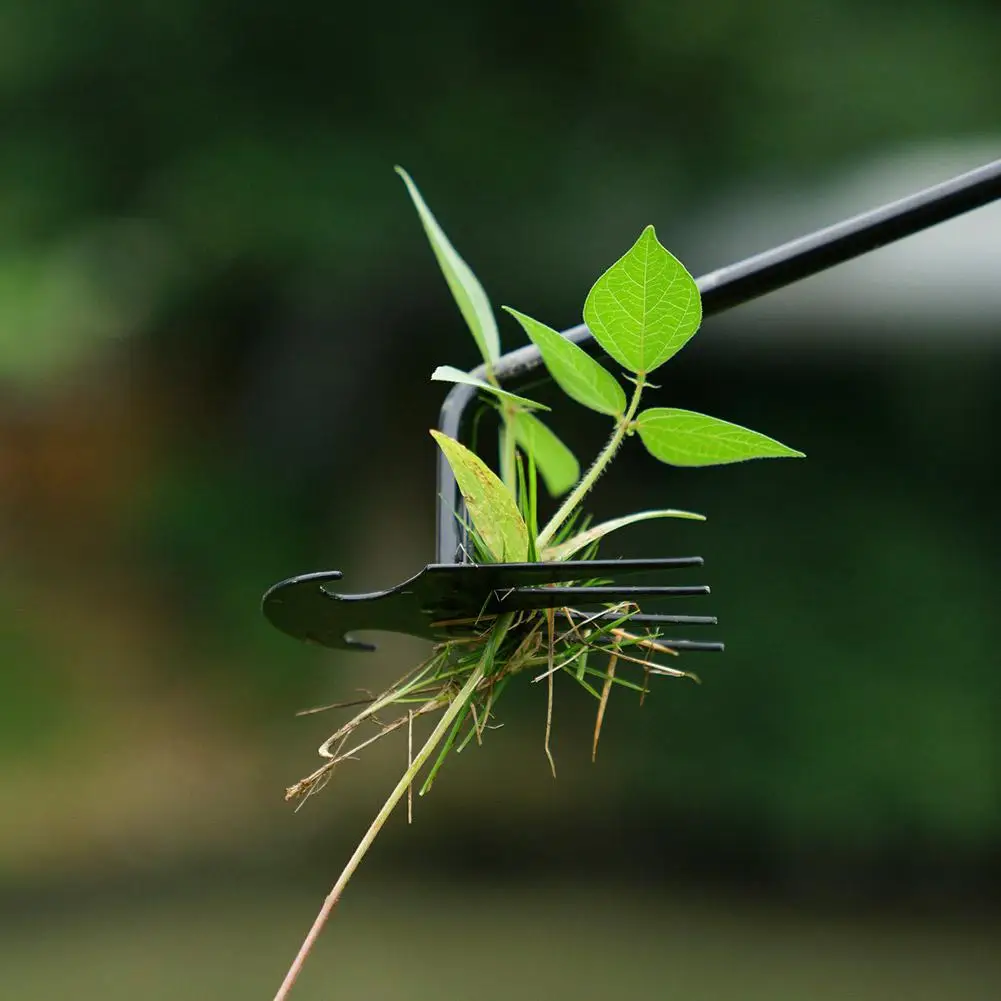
x=736, y=284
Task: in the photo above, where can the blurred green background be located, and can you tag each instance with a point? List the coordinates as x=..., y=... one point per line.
x=217, y=318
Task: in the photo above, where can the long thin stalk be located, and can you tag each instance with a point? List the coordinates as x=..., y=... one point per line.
x=456, y=706
x=508, y=445
x=508, y=449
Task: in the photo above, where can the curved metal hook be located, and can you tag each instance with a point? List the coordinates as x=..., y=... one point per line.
x=304, y=609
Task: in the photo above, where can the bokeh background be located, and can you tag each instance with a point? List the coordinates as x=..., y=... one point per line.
x=217, y=318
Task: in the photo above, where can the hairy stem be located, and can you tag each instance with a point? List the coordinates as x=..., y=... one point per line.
x=456, y=706
x=599, y=465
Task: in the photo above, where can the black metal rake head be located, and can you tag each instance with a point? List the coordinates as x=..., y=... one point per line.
x=455, y=599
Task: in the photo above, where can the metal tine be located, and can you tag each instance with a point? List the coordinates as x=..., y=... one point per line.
x=644, y=619
x=712, y=647
x=518, y=574
x=525, y=598
x=692, y=646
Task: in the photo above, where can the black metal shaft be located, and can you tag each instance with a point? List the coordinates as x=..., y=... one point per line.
x=736, y=284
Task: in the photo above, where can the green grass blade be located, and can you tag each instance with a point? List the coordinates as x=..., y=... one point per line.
x=566, y=549
x=448, y=373
x=466, y=288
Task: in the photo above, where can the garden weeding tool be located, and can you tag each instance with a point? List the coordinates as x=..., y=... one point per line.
x=454, y=598
x=448, y=600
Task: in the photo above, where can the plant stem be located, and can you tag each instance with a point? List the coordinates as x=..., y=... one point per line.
x=508, y=442
x=455, y=707
x=509, y=476
x=599, y=465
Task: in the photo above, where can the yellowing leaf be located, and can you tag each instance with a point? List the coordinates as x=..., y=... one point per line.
x=565, y=550
x=492, y=508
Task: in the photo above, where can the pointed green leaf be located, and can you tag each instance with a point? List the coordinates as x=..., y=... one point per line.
x=447, y=373
x=466, y=289
x=684, y=438
x=492, y=508
x=645, y=307
x=556, y=463
x=573, y=369
x=567, y=549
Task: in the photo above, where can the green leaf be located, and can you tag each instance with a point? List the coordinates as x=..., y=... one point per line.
x=492, y=508
x=466, y=289
x=684, y=438
x=556, y=463
x=573, y=369
x=567, y=549
x=447, y=373
x=645, y=307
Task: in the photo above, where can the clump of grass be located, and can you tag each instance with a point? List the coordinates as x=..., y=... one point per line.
x=531, y=641
x=542, y=644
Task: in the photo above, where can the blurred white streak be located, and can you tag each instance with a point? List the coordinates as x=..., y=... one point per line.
x=941, y=285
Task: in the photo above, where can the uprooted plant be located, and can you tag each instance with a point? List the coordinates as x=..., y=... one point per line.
x=641, y=311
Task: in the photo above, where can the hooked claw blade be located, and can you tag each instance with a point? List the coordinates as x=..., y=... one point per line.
x=300, y=607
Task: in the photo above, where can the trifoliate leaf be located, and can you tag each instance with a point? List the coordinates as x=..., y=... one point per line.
x=491, y=506
x=574, y=370
x=565, y=550
x=645, y=307
x=684, y=438
x=466, y=288
x=555, y=462
x=446, y=373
